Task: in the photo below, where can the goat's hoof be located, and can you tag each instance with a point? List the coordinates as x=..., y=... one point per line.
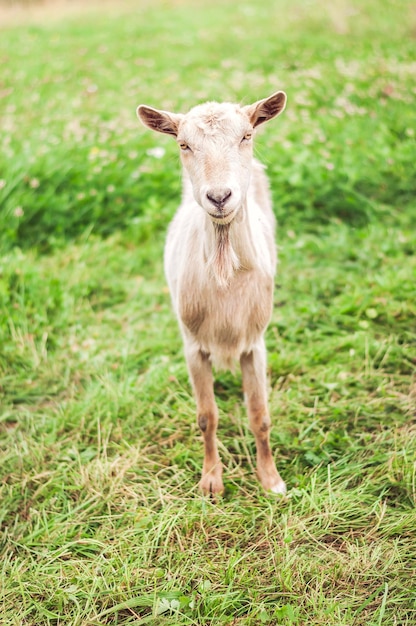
x=272, y=482
x=211, y=485
x=279, y=488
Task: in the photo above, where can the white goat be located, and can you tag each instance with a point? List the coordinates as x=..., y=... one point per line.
x=220, y=259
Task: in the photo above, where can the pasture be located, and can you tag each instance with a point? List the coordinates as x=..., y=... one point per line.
x=100, y=454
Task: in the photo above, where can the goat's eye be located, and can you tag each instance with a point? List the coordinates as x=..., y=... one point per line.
x=183, y=146
x=247, y=137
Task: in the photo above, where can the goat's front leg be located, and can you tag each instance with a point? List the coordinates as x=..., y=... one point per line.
x=253, y=368
x=200, y=372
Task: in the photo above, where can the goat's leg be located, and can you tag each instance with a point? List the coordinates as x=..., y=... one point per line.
x=253, y=368
x=200, y=372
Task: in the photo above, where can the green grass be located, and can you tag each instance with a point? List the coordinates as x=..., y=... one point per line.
x=101, y=520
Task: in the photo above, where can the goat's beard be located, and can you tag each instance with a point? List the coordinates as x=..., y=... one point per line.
x=223, y=261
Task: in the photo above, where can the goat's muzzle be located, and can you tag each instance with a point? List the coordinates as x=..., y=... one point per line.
x=219, y=197
x=223, y=214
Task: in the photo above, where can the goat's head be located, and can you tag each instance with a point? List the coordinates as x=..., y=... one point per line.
x=216, y=148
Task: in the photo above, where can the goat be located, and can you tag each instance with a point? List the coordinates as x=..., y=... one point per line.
x=220, y=259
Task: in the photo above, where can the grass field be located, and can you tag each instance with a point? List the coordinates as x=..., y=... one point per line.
x=101, y=519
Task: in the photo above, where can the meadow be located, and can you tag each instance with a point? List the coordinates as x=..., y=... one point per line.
x=101, y=520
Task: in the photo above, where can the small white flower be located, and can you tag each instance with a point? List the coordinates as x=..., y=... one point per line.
x=157, y=153
x=34, y=183
x=111, y=188
x=18, y=212
x=2, y=183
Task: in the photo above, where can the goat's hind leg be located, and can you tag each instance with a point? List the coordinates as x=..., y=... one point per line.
x=200, y=372
x=253, y=368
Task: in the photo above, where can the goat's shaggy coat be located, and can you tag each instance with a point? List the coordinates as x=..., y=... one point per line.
x=220, y=259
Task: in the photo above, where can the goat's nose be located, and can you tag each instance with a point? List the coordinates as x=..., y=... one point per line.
x=219, y=198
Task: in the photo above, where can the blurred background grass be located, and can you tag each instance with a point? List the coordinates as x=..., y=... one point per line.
x=74, y=157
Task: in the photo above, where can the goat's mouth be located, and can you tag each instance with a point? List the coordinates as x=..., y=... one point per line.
x=222, y=218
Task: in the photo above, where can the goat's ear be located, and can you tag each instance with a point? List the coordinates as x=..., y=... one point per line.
x=266, y=109
x=161, y=121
